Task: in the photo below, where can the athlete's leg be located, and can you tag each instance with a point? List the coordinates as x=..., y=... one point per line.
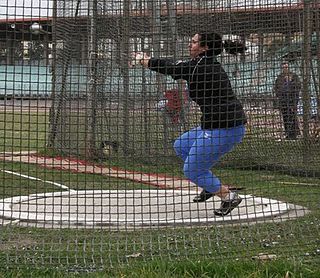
x=183, y=144
x=206, y=151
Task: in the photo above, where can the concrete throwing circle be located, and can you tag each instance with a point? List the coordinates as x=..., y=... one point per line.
x=129, y=208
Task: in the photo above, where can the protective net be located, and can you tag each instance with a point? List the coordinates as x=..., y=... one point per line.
x=90, y=170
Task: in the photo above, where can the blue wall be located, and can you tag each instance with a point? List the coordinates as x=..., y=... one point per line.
x=36, y=81
x=25, y=81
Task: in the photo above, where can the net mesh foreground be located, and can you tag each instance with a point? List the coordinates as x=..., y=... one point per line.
x=89, y=175
x=132, y=209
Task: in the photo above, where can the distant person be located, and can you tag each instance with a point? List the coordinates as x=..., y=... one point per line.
x=287, y=90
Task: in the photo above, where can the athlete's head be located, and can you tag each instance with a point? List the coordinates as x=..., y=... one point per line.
x=212, y=45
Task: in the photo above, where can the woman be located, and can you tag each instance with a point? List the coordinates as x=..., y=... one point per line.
x=222, y=121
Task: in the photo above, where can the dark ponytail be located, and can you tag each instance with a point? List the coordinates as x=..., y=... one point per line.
x=234, y=47
x=215, y=44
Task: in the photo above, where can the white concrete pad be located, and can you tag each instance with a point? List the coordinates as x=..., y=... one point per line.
x=130, y=208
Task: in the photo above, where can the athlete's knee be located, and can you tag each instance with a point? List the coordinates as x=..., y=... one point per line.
x=192, y=172
x=188, y=171
x=178, y=147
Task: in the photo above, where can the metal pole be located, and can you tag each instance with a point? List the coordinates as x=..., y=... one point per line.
x=306, y=72
x=52, y=123
x=306, y=57
x=59, y=111
x=173, y=37
x=91, y=150
x=156, y=39
x=124, y=41
x=317, y=27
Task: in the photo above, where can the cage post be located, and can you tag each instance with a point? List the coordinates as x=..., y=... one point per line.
x=91, y=150
x=172, y=27
x=317, y=27
x=124, y=40
x=145, y=103
x=58, y=111
x=155, y=8
x=306, y=57
x=306, y=72
x=52, y=124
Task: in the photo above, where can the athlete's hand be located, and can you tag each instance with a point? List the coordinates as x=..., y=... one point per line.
x=140, y=58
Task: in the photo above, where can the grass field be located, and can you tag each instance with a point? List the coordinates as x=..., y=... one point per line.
x=207, y=251
x=187, y=268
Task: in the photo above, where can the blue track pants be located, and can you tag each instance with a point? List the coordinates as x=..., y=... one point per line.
x=201, y=149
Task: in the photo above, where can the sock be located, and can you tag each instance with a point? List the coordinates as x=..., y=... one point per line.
x=230, y=196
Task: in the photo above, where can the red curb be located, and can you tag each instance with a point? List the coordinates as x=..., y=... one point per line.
x=76, y=166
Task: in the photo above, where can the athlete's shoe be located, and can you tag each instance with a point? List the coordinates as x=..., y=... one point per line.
x=228, y=205
x=203, y=196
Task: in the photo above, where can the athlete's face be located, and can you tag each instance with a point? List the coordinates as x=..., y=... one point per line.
x=194, y=47
x=285, y=68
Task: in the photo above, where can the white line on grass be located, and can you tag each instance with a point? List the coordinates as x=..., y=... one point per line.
x=16, y=221
x=9, y=222
x=297, y=183
x=37, y=179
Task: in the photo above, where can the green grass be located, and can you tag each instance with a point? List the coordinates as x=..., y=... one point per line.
x=207, y=251
x=16, y=186
x=29, y=131
x=23, y=131
x=187, y=268
x=80, y=249
x=299, y=190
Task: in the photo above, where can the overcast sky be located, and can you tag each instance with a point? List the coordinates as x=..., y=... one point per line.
x=43, y=8
x=25, y=8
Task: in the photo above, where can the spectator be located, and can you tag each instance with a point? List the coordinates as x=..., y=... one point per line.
x=287, y=90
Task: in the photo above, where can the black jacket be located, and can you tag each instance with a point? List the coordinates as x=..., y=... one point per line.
x=209, y=86
x=287, y=89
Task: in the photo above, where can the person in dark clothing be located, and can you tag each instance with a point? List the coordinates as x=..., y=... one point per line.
x=287, y=89
x=222, y=121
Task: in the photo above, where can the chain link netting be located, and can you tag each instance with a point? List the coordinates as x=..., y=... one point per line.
x=89, y=174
